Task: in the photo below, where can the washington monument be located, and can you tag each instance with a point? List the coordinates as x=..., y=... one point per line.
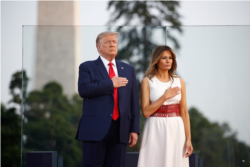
x=57, y=45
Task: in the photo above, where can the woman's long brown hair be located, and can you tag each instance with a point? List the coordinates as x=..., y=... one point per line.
x=156, y=56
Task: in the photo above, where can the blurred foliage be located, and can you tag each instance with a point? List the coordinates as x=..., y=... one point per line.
x=146, y=13
x=11, y=122
x=10, y=137
x=51, y=123
x=217, y=144
x=16, y=86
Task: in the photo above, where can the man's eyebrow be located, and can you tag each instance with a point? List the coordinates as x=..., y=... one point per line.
x=111, y=40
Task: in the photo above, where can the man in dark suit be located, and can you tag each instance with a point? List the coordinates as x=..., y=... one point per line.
x=110, y=114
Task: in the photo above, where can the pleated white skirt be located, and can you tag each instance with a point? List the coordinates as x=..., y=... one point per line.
x=163, y=143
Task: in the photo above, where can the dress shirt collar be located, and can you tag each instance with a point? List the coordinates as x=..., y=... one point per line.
x=106, y=62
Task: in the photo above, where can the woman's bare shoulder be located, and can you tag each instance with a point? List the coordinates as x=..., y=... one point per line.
x=144, y=81
x=182, y=81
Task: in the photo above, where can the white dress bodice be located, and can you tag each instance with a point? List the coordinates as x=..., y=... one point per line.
x=158, y=88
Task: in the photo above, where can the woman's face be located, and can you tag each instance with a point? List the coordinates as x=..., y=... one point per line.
x=165, y=63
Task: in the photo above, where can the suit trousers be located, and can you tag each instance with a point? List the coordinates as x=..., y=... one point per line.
x=109, y=152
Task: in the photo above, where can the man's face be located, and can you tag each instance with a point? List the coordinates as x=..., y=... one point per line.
x=108, y=46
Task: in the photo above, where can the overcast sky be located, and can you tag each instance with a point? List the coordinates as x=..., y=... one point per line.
x=16, y=14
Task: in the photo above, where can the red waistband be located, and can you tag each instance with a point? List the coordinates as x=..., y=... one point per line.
x=172, y=110
x=168, y=108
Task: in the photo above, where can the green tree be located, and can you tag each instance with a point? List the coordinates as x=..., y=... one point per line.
x=216, y=143
x=10, y=137
x=18, y=86
x=11, y=121
x=147, y=13
x=51, y=123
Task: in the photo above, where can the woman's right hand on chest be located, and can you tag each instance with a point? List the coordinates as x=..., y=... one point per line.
x=172, y=92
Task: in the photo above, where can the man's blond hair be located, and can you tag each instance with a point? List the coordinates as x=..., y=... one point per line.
x=105, y=33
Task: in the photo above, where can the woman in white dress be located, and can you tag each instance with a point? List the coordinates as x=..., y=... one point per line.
x=166, y=138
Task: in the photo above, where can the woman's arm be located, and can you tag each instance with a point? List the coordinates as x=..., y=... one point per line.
x=147, y=108
x=185, y=117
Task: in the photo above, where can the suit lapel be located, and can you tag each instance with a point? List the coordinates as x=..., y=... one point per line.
x=121, y=73
x=102, y=68
x=120, y=69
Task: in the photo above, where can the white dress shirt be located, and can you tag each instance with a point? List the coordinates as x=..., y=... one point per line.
x=106, y=62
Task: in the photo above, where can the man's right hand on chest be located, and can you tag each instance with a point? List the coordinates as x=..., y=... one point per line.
x=119, y=81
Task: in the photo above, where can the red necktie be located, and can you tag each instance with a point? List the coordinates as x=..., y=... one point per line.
x=116, y=109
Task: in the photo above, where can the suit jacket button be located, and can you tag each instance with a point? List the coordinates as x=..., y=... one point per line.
x=111, y=115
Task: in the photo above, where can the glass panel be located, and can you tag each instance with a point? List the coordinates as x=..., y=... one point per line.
x=214, y=62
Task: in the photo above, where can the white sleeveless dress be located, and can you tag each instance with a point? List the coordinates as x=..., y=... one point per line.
x=163, y=139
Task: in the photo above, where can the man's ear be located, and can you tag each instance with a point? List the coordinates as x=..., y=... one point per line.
x=98, y=47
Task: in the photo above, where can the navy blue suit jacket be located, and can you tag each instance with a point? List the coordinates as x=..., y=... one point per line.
x=95, y=86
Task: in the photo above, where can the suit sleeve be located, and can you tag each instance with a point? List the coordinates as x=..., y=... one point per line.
x=88, y=89
x=135, y=124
